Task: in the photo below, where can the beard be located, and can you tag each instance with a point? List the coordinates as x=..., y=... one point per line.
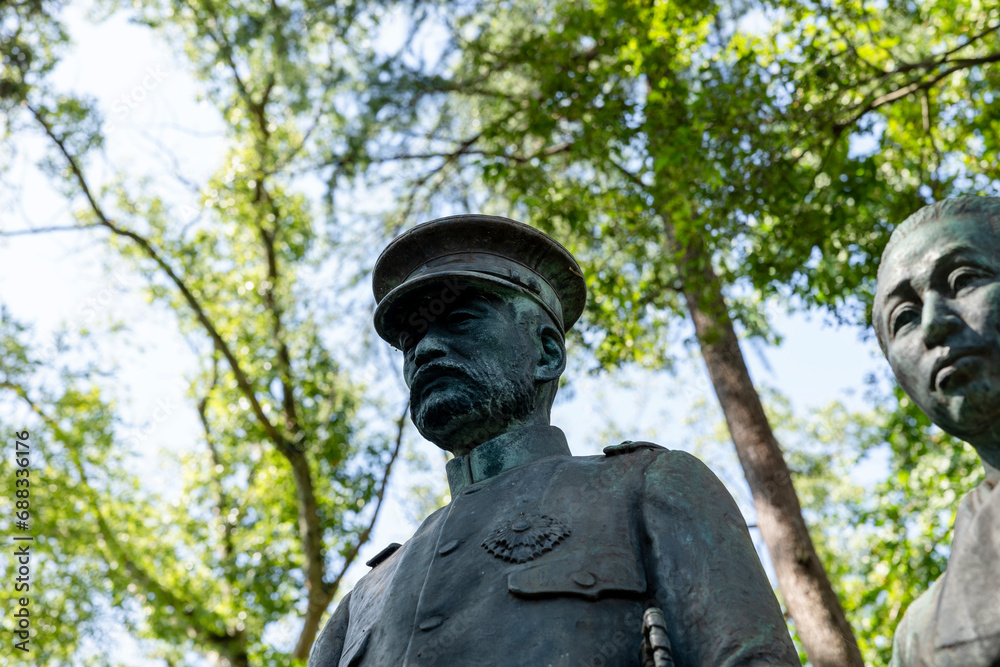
x=468, y=406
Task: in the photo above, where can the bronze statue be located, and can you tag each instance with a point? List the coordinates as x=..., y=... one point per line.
x=937, y=318
x=540, y=558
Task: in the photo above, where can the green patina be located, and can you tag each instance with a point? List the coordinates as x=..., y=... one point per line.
x=540, y=557
x=937, y=316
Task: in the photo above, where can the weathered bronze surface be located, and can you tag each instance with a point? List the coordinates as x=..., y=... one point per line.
x=937, y=316
x=540, y=558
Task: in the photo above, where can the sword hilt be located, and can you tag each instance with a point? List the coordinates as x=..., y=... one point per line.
x=655, y=650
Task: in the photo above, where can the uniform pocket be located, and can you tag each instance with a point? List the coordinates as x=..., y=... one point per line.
x=591, y=576
x=353, y=652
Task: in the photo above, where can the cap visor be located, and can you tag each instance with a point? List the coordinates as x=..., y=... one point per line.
x=414, y=305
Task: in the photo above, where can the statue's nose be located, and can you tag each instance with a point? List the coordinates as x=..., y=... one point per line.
x=430, y=346
x=938, y=320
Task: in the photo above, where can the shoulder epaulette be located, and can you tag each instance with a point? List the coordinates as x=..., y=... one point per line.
x=629, y=446
x=382, y=555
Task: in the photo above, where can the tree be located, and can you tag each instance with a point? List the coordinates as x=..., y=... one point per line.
x=289, y=476
x=702, y=170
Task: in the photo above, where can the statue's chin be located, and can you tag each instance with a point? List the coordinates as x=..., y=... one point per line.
x=971, y=413
x=457, y=421
x=445, y=420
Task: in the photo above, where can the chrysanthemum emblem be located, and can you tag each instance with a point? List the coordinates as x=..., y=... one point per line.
x=526, y=537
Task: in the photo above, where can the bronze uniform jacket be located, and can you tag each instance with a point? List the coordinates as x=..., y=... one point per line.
x=546, y=559
x=956, y=622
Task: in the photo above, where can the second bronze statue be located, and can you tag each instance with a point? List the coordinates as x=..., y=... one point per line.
x=937, y=317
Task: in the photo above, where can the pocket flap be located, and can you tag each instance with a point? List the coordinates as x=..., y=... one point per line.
x=591, y=576
x=353, y=652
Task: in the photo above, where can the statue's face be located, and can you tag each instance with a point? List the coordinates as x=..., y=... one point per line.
x=937, y=307
x=470, y=371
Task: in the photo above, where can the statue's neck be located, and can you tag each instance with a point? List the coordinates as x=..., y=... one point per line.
x=987, y=445
x=504, y=452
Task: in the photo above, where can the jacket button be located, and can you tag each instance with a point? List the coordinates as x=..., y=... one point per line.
x=448, y=547
x=431, y=623
x=583, y=578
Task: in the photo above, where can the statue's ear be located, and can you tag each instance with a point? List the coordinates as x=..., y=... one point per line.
x=552, y=360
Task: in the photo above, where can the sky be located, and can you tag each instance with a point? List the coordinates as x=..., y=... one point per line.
x=62, y=280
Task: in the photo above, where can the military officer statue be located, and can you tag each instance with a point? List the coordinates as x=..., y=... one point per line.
x=541, y=558
x=937, y=318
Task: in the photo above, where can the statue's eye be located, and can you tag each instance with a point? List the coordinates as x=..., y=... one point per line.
x=458, y=318
x=902, y=316
x=965, y=277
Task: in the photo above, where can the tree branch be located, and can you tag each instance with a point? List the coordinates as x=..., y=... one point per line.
x=186, y=614
x=915, y=86
x=379, y=496
x=241, y=379
x=310, y=530
x=931, y=63
x=227, y=52
x=223, y=502
x=314, y=611
x=46, y=230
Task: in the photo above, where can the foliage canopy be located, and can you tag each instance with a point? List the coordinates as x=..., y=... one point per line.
x=704, y=161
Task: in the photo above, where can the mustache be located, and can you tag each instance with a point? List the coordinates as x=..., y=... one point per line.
x=435, y=371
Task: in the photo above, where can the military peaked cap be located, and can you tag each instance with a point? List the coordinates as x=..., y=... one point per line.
x=480, y=250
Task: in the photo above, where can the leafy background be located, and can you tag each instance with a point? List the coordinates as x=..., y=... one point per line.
x=738, y=162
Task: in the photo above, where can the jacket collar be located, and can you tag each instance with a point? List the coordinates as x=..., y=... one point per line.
x=504, y=452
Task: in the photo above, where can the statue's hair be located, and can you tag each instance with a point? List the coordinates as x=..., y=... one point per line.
x=985, y=208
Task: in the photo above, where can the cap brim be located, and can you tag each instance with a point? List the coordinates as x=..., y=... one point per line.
x=484, y=250
x=414, y=305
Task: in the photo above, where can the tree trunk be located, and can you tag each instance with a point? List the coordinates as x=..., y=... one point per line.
x=318, y=595
x=238, y=659
x=819, y=618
